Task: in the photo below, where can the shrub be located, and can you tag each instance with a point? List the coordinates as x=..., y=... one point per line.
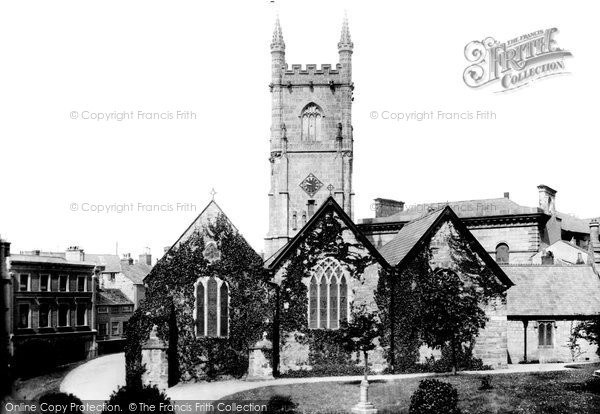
x=125, y=397
x=485, y=384
x=281, y=404
x=434, y=397
x=71, y=402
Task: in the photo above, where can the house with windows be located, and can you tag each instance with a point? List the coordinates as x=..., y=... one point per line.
x=123, y=273
x=113, y=310
x=52, y=322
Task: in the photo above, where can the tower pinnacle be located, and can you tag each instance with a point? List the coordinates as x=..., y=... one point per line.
x=345, y=40
x=277, y=44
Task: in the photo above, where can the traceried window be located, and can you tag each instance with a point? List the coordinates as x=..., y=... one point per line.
x=212, y=307
x=502, y=253
x=311, y=119
x=545, y=334
x=328, y=296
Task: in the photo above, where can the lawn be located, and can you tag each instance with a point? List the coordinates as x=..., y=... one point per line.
x=532, y=393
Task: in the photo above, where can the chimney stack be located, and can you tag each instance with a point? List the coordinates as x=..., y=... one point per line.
x=127, y=259
x=74, y=254
x=547, y=199
x=507, y=195
x=594, y=233
x=146, y=257
x=384, y=207
x=548, y=258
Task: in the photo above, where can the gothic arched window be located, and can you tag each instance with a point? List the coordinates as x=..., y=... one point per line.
x=328, y=296
x=502, y=253
x=311, y=119
x=211, y=310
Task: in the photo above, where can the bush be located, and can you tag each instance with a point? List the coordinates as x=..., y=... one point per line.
x=281, y=404
x=125, y=397
x=485, y=384
x=434, y=397
x=71, y=402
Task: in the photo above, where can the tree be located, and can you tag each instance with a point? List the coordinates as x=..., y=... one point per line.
x=360, y=333
x=450, y=312
x=590, y=331
x=447, y=304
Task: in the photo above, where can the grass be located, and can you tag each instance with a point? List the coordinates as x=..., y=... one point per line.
x=570, y=392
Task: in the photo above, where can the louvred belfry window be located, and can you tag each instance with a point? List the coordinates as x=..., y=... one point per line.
x=211, y=311
x=311, y=119
x=328, y=296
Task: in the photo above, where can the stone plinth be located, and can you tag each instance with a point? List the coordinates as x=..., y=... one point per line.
x=364, y=406
x=259, y=363
x=155, y=360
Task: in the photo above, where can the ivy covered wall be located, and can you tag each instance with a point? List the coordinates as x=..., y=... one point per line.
x=319, y=350
x=170, y=301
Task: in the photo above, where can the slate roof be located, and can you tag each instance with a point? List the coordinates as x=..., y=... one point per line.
x=107, y=297
x=26, y=258
x=111, y=262
x=396, y=249
x=551, y=290
x=464, y=209
x=136, y=272
x=573, y=224
x=408, y=241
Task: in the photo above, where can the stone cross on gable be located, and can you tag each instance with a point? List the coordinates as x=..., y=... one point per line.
x=330, y=187
x=212, y=193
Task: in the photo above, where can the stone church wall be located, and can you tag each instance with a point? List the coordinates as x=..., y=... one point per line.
x=491, y=345
x=559, y=352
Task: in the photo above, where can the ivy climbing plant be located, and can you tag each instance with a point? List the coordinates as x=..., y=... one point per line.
x=169, y=304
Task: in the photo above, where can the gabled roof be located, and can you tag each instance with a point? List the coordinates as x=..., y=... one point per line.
x=573, y=224
x=550, y=290
x=112, y=297
x=136, y=272
x=411, y=238
x=208, y=215
x=329, y=205
x=111, y=262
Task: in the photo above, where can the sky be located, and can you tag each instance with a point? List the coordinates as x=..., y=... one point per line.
x=67, y=62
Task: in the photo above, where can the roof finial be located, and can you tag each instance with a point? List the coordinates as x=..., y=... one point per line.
x=212, y=193
x=345, y=40
x=277, y=44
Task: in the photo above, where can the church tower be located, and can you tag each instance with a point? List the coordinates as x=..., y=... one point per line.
x=311, y=139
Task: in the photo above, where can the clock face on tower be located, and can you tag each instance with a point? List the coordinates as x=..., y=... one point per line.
x=311, y=184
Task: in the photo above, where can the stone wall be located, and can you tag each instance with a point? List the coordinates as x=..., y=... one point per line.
x=491, y=344
x=295, y=351
x=523, y=241
x=559, y=352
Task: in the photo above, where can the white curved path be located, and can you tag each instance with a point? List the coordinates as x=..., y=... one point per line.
x=98, y=378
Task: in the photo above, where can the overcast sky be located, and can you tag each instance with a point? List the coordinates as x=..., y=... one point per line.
x=61, y=59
